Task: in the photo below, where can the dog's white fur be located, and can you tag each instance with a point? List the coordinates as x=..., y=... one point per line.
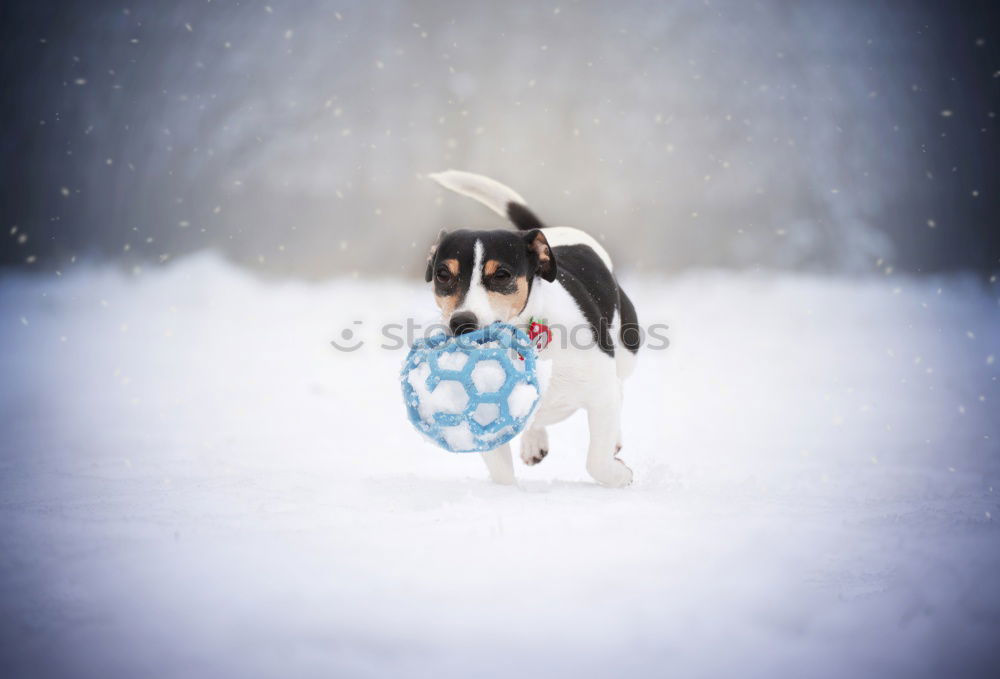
x=582, y=375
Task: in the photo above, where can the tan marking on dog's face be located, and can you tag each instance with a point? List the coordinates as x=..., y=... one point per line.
x=506, y=306
x=447, y=303
x=491, y=267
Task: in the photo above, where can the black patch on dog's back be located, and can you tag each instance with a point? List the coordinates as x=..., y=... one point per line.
x=630, y=333
x=594, y=289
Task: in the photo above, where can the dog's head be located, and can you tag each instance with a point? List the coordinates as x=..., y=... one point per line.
x=485, y=276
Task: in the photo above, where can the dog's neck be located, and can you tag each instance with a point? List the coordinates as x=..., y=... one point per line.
x=539, y=304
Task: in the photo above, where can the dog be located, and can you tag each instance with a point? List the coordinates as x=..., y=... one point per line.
x=558, y=282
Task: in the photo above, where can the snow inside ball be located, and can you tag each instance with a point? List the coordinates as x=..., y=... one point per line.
x=473, y=392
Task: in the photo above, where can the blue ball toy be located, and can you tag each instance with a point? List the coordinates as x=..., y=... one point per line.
x=473, y=392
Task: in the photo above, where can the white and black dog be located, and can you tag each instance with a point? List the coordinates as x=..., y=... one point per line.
x=543, y=277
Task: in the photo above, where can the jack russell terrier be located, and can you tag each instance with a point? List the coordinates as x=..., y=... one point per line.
x=543, y=278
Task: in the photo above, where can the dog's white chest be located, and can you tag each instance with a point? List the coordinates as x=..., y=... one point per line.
x=576, y=376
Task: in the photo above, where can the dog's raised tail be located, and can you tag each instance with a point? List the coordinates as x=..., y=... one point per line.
x=501, y=199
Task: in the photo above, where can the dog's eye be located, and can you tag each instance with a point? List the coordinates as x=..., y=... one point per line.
x=443, y=275
x=501, y=275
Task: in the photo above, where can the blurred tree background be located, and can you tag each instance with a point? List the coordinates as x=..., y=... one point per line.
x=293, y=136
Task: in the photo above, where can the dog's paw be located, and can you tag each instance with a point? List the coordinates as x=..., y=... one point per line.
x=534, y=446
x=613, y=473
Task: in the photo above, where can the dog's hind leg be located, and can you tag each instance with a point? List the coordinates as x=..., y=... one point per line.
x=604, y=418
x=500, y=464
x=534, y=445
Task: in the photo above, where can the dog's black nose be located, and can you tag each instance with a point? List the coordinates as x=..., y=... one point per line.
x=463, y=322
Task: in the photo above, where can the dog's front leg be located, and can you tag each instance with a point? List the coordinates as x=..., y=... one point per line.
x=500, y=464
x=534, y=445
x=603, y=416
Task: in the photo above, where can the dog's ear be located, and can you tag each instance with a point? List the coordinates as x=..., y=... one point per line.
x=430, y=255
x=540, y=252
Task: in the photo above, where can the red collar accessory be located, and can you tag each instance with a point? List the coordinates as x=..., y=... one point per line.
x=539, y=333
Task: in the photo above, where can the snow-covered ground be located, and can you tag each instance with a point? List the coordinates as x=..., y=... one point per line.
x=193, y=482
